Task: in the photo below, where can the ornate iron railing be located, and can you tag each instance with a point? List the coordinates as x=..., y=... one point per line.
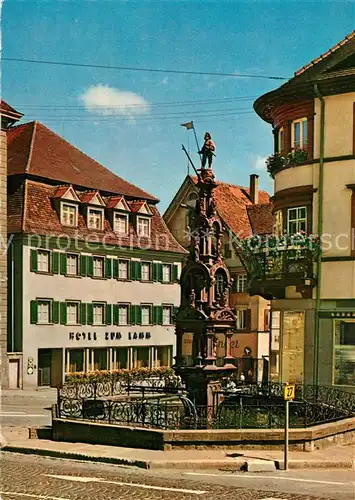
x=255, y=406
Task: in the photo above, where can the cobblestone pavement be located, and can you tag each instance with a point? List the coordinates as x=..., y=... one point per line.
x=32, y=477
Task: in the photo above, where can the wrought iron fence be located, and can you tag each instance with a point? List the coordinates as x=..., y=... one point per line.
x=255, y=406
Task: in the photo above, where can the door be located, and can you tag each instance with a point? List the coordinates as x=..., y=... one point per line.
x=44, y=367
x=14, y=374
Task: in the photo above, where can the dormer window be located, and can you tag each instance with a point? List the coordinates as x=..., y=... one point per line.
x=69, y=214
x=95, y=219
x=299, y=134
x=143, y=226
x=120, y=223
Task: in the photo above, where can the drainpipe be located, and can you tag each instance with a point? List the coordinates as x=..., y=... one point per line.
x=320, y=229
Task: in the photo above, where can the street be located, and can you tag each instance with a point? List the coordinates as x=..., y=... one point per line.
x=26, y=408
x=54, y=479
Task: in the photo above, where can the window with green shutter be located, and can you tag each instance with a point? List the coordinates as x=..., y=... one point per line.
x=138, y=315
x=175, y=277
x=155, y=271
x=55, y=312
x=108, y=268
x=115, y=314
x=133, y=315
x=55, y=262
x=138, y=270
x=133, y=269
x=83, y=265
x=115, y=268
x=63, y=263
x=159, y=315
x=90, y=265
x=90, y=314
x=33, y=261
x=160, y=272
x=83, y=314
x=108, y=314
x=63, y=313
x=33, y=312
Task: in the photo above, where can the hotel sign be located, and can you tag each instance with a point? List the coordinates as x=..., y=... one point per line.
x=109, y=336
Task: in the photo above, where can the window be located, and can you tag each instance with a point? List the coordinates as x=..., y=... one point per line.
x=146, y=312
x=72, y=313
x=69, y=215
x=119, y=358
x=163, y=356
x=167, y=315
x=296, y=220
x=75, y=360
x=72, y=265
x=123, y=269
x=166, y=273
x=43, y=261
x=278, y=228
x=344, y=353
x=95, y=219
x=120, y=223
x=98, y=317
x=146, y=271
x=242, y=319
x=299, y=133
x=98, y=267
x=141, y=357
x=98, y=359
x=123, y=314
x=281, y=144
x=143, y=226
x=44, y=312
x=241, y=282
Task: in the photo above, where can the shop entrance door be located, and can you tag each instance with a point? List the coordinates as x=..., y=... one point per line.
x=44, y=367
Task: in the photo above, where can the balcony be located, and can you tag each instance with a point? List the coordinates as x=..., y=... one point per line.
x=274, y=263
x=279, y=161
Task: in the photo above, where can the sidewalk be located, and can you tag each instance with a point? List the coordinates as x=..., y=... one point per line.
x=341, y=457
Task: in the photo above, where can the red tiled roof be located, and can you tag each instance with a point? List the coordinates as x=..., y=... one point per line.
x=6, y=108
x=136, y=206
x=112, y=201
x=41, y=218
x=88, y=196
x=60, y=191
x=232, y=204
x=34, y=149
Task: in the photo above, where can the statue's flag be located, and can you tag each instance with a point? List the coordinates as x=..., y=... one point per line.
x=188, y=125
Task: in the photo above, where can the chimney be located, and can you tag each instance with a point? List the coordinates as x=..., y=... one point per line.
x=254, y=189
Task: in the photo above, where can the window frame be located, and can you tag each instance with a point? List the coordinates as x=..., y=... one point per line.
x=77, y=304
x=303, y=144
x=70, y=205
x=143, y=306
x=48, y=302
x=281, y=140
x=102, y=218
x=242, y=325
x=149, y=264
x=166, y=266
x=77, y=258
x=340, y=320
x=49, y=255
x=127, y=306
x=102, y=259
x=242, y=279
x=126, y=261
x=170, y=307
x=141, y=218
x=297, y=220
x=125, y=216
x=102, y=305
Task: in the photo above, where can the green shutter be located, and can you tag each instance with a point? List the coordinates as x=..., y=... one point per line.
x=138, y=315
x=83, y=265
x=34, y=262
x=115, y=268
x=55, y=312
x=132, y=271
x=90, y=313
x=83, y=313
x=34, y=312
x=160, y=272
x=154, y=315
x=108, y=314
x=132, y=315
x=90, y=266
x=175, y=276
x=175, y=311
x=160, y=315
x=63, y=263
x=55, y=262
x=155, y=271
x=116, y=314
x=63, y=313
x=138, y=270
x=108, y=268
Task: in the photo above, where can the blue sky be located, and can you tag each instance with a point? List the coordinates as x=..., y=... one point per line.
x=142, y=143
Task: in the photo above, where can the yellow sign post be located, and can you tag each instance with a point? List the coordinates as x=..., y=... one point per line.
x=289, y=395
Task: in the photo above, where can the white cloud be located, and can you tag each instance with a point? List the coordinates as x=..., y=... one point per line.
x=165, y=80
x=105, y=100
x=259, y=162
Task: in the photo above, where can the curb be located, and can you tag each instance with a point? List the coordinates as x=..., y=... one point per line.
x=199, y=464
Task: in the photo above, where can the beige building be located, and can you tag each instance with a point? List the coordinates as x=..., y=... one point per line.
x=243, y=211
x=9, y=116
x=313, y=166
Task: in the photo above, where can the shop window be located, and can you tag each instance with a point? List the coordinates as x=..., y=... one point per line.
x=299, y=133
x=344, y=353
x=163, y=356
x=72, y=265
x=146, y=272
x=75, y=360
x=141, y=357
x=43, y=261
x=120, y=223
x=296, y=220
x=120, y=358
x=123, y=269
x=95, y=219
x=98, y=267
x=98, y=359
x=69, y=215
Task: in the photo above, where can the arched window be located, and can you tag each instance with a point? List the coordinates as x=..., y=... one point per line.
x=221, y=282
